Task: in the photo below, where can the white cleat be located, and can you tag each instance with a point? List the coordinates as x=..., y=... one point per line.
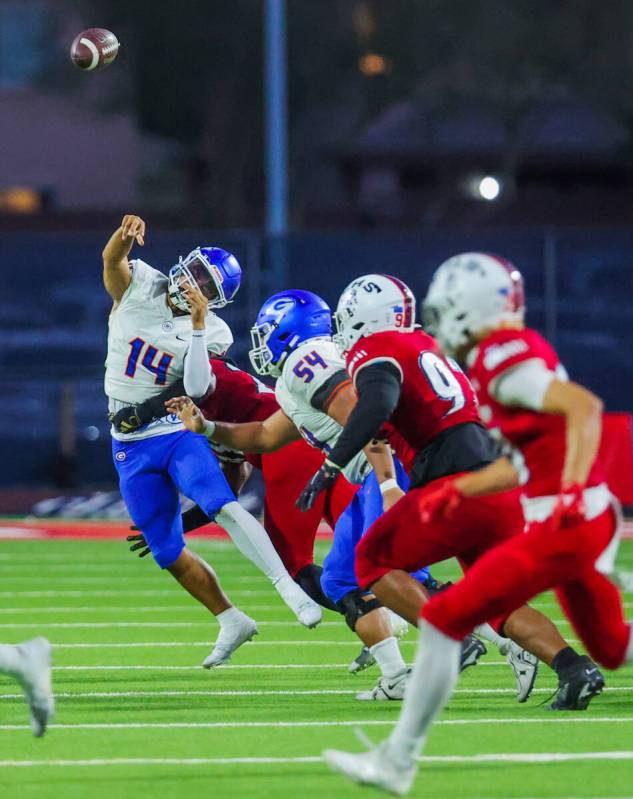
x=230, y=639
x=304, y=608
x=387, y=688
x=362, y=661
x=35, y=679
x=399, y=626
x=524, y=665
x=375, y=767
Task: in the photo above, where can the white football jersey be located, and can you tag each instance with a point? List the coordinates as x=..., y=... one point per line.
x=306, y=371
x=147, y=345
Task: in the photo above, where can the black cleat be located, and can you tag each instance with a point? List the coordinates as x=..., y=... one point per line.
x=577, y=685
x=472, y=650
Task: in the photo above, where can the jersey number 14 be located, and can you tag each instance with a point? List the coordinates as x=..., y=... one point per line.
x=137, y=345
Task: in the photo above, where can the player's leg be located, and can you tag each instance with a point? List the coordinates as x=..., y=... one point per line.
x=292, y=531
x=363, y=612
x=153, y=503
x=392, y=764
x=196, y=472
x=30, y=664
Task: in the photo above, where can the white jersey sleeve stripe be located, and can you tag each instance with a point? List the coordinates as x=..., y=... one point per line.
x=524, y=385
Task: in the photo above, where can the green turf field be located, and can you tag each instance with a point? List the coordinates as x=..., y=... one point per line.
x=137, y=716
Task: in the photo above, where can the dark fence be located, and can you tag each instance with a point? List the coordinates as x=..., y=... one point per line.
x=53, y=315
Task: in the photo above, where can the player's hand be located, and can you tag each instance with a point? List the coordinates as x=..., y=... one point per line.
x=199, y=305
x=324, y=478
x=570, y=506
x=188, y=413
x=138, y=542
x=389, y=498
x=127, y=420
x=442, y=501
x=133, y=227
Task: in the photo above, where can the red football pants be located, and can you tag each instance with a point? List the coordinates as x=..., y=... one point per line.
x=399, y=539
x=542, y=559
x=292, y=531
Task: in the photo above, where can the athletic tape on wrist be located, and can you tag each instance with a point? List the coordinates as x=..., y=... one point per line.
x=387, y=485
x=209, y=428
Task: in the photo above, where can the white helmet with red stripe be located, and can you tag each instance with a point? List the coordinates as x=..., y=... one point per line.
x=371, y=304
x=471, y=292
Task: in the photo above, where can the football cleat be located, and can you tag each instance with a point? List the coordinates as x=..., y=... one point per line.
x=577, y=685
x=363, y=661
x=387, y=688
x=524, y=665
x=375, y=767
x=35, y=679
x=230, y=639
x=472, y=650
x=305, y=609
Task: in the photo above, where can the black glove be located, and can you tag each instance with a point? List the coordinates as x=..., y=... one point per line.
x=129, y=419
x=324, y=478
x=138, y=542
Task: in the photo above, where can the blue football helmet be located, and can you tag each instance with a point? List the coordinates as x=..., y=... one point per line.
x=285, y=321
x=213, y=270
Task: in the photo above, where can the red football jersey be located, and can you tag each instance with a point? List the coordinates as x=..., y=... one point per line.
x=539, y=436
x=435, y=395
x=238, y=397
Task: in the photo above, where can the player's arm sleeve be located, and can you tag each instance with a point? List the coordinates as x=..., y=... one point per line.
x=524, y=385
x=378, y=388
x=198, y=377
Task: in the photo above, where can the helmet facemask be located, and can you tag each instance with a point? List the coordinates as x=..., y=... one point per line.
x=196, y=271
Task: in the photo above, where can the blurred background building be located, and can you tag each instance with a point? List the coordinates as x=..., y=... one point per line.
x=416, y=130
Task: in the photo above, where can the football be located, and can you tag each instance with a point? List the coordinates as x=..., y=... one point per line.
x=94, y=49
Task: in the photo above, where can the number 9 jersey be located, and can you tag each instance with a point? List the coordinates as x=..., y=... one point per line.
x=435, y=395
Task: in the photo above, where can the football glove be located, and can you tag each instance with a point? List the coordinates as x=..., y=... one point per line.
x=138, y=542
x=324, y=478
x=128, y=419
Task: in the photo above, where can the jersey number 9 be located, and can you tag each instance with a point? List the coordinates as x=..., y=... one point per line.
x=442, y=380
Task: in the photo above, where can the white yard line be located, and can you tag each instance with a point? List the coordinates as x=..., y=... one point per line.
x=515, y=757
x=162, y=644
x=229, y=666
x=167, y=591
x=272, y=692
x=562, y=719
x=86, y=625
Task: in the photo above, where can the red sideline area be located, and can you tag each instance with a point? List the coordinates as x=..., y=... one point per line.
x=15, y=529
x=20, y=529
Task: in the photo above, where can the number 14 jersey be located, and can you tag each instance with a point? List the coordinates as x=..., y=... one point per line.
x=147, y=344
x=435, y=394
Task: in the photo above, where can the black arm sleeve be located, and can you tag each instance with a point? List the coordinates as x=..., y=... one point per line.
x=378, y=388
x=154, y=407
x=193, y=518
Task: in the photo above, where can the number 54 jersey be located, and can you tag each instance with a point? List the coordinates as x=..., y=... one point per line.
x=147, y=344
x=436, y=397
x=310, y=379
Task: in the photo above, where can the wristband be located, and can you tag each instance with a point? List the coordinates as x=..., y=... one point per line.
x=198, y=333
x=388, y=485
x=209, y=428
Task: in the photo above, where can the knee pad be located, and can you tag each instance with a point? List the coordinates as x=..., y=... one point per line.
x=354, y=606
x=309, y=578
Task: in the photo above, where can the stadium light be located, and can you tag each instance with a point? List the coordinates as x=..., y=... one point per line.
x=489, y=188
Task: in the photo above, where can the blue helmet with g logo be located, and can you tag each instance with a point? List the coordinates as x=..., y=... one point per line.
x=213, y=270
x=285, y=321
